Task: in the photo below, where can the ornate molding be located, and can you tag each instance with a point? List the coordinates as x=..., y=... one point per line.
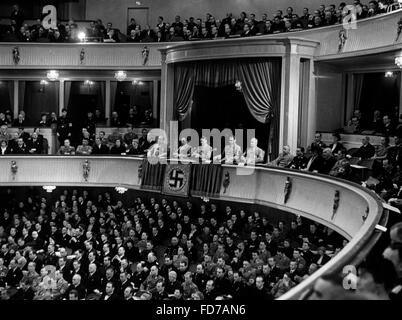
x=86, y=169
x=335, y=206
x=14, y=169
x=145, y=55
x=287, y=190
x=342, y=39
x=16, y=55
x=82, y=56
x=226, y=181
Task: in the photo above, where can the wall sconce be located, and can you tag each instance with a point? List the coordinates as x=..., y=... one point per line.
x=398, y=61
x=86, y=168
x=53, y=75
x=81, y=36
x=14, y=169
x=120, y=190
x=120, y=75
x=49, y=189
x=336, y=204
x=287, y=190
x=238, y=85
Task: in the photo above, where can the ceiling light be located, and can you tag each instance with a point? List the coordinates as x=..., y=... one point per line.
x=120, y=75
x=49, y=188
x=53, y=75
x=43, y=82
x=81, y=36
x=398, y=61
x=121, y=190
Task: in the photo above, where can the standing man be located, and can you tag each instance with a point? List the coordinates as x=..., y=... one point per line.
x=64, y=127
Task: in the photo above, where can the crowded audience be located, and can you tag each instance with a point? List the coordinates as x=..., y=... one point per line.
x=90, y=246
x=244, y=25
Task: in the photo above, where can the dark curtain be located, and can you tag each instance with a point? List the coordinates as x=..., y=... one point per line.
x=184, y=88
x=6, y=95
x=206, y=180
x=152, y=175
x=261, y=86
x=216, y=73
x=40, y=99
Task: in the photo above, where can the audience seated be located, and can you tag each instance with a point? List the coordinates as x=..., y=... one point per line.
x=101, y=248
x=245, y=25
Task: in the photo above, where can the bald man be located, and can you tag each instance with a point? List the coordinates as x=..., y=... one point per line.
x=284, y=158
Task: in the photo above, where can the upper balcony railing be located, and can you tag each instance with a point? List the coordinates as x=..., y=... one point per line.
x=347, y=208
x=368, y=36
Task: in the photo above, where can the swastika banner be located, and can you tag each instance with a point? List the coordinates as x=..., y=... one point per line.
x=177, y=179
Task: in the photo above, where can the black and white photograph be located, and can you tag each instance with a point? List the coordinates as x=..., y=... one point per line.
x=209, y=156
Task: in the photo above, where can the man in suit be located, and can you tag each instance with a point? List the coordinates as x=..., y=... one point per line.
x=14, y=274
x=254, y=154
x=232, y=152
x=76, y=285
x=34, y=145
x=366, y=151
x=99, y=147
x=317, y=141
x=336, y=145
x=93, y=283
x=109, y=293
x=300, y=160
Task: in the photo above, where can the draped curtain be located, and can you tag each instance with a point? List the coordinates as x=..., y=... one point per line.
x=67, y=92
x=152, y=175
x=358, y=79
x=113, y=90
x=21, y=95
x=10, y=86
x=184, y=88
x=206, y=180
x=261, y=86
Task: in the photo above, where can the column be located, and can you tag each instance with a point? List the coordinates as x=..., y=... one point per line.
x=155, y=99
x=166, y=105
x=312, y=109
x=16, y=98
x=61, y=95
x=290, y=112
x=107, y=102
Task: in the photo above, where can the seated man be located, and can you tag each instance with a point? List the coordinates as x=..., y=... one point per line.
x=284, y=159
x=388, y=128
x=341, y=168
x=232, y=152
x=85, y=148
x=254, y=154
x=118, y=148
x=317, y=141
x=34, y=145
x=366, y=151
x=135, y=148
x=158, y=149
x=300, y=160
x=204, y=151
x=184, y=151
x=67, y=149
x=324, y=163
x=20, y=148
x=130, y=135
x=99, y=147
x=354, y=123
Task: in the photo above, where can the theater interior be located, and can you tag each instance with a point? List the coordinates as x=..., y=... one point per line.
x=200, y=150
